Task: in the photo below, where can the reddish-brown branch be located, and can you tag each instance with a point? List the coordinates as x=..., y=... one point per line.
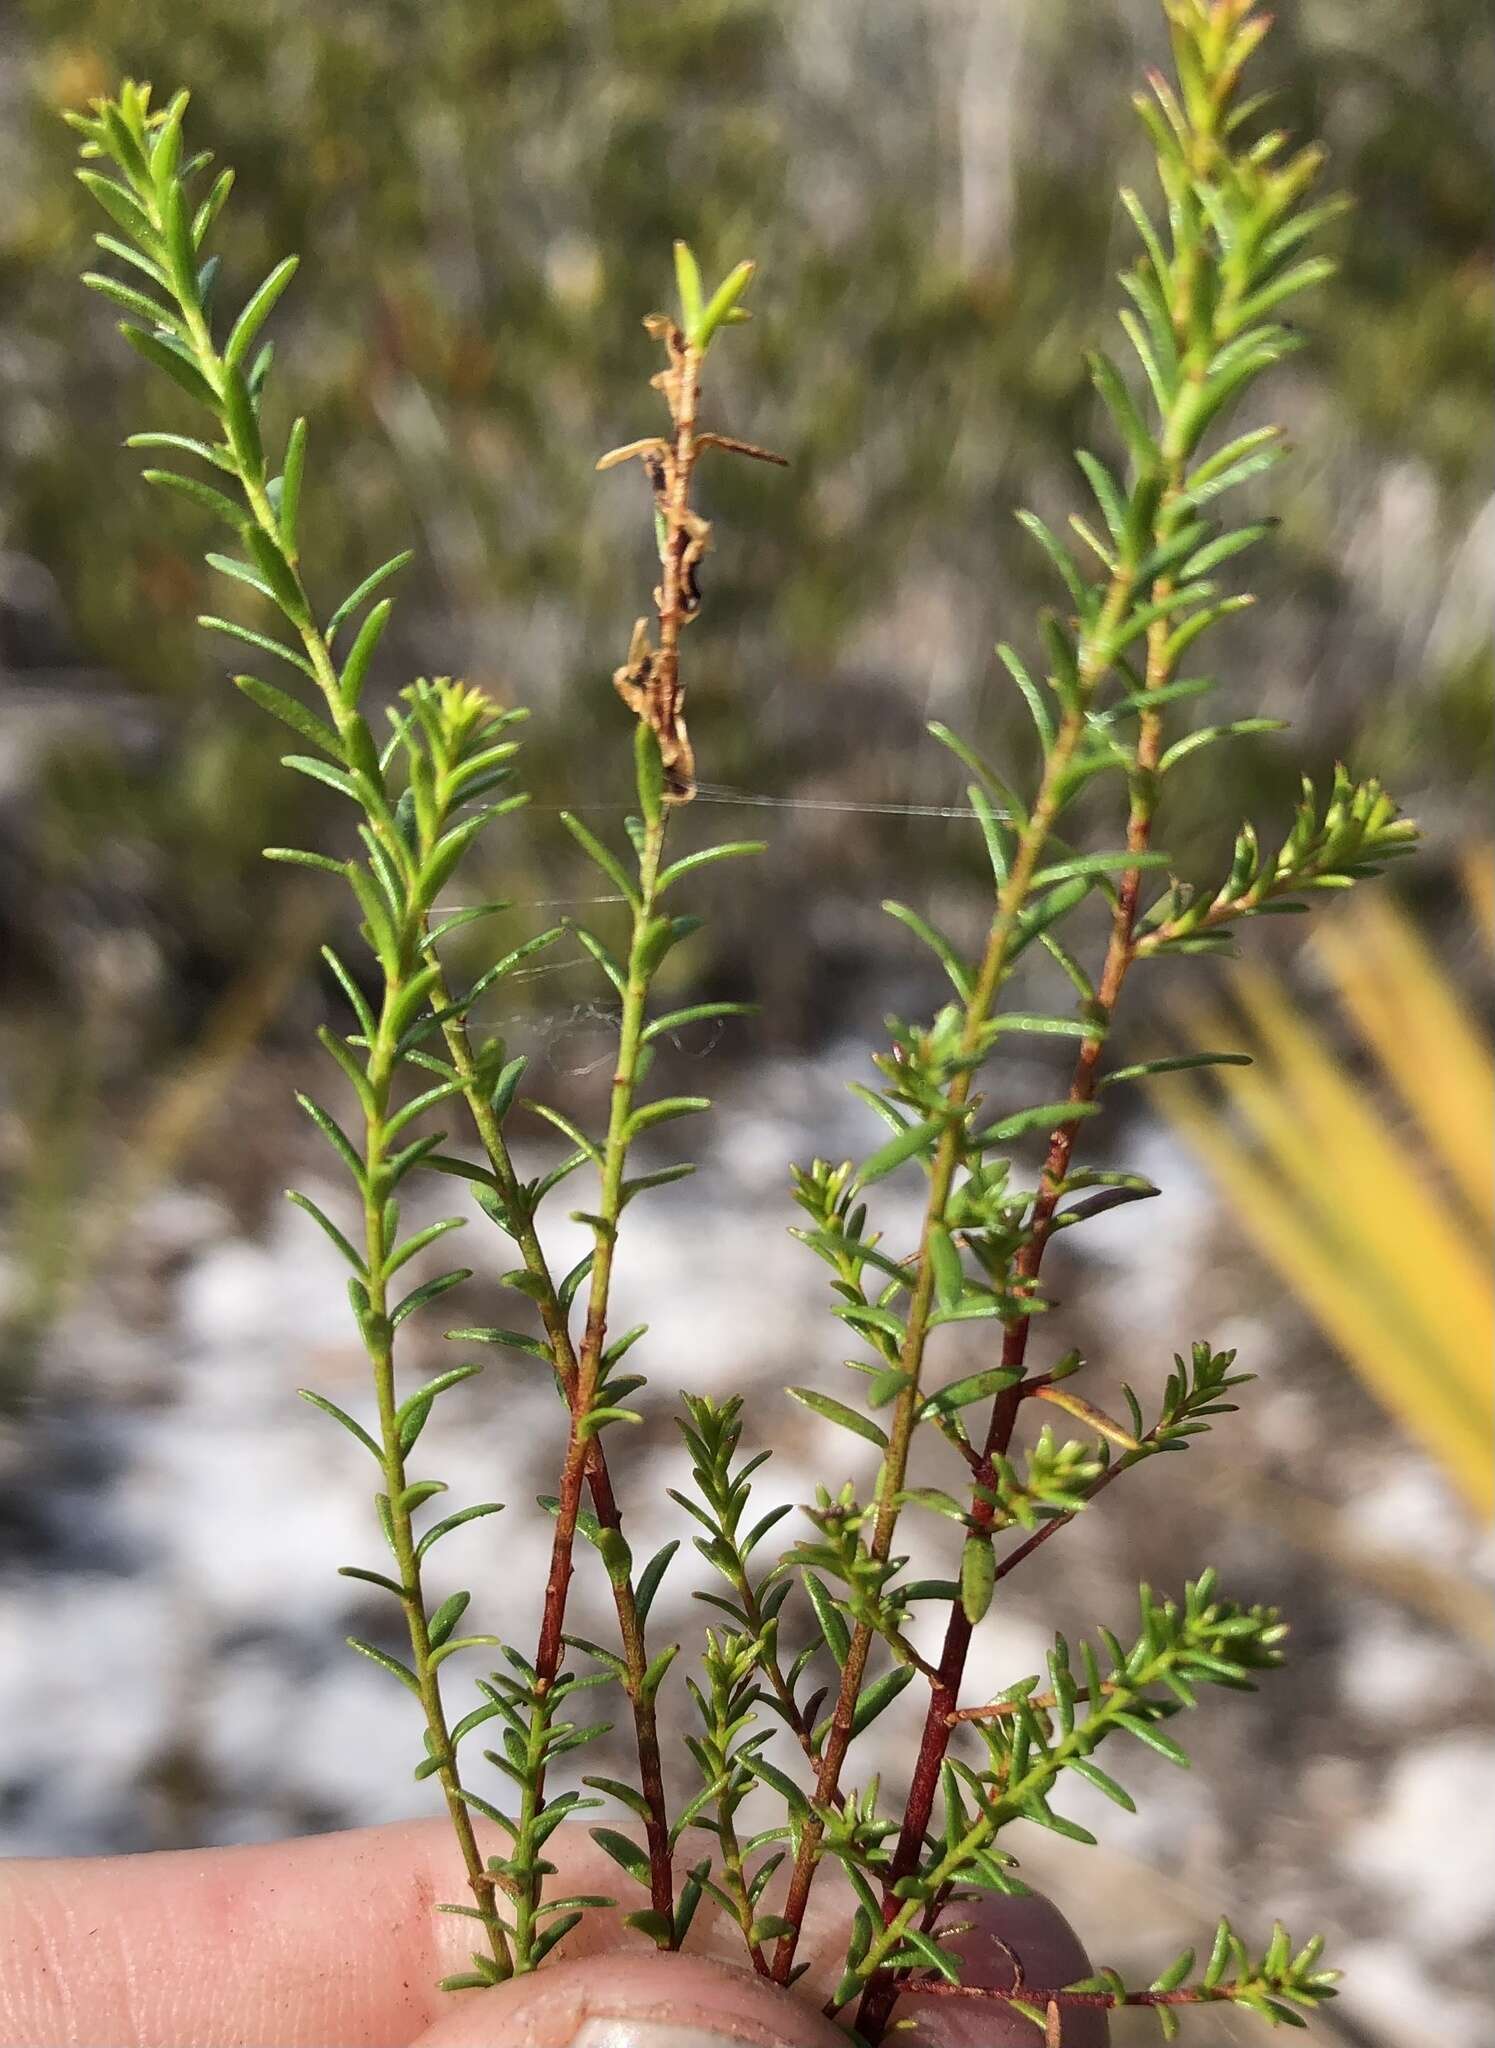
x=645, y=1718
x=1010, y=901
x=549, y=1649
x=1000, y=1710
x=1225, y=1994
x=944, y=1702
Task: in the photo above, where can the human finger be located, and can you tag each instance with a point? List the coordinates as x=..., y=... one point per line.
x=631, y=1999
x=326, y=1942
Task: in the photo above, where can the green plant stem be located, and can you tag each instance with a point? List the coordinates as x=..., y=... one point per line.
x=377, y=1331
x=734, y=1873
x=581, y=1440
x=381, y=1062
x=1095, y=664
x=773, y=1670
x=557, y=1331
x=526, y=1853
x=345, y=720
x=942, y=1716
x=615, y=1159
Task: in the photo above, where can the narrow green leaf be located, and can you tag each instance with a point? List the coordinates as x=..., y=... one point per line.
x=602, y=857
x=722, y=306
x=444, y=1528
x=626, y=1795
x=424, y=1396
x=1097, y=864
x=780, y=1782
x=962, y=1393
x=276, y=571
x=336, y=1137
x=832, y=1622
x=128, y=299
x=446, y=1617
x=201, y=494
x=1205, y=736
x=1176, y=1064
x=379, y=1579
x=1107, y=493
x=1122, y=407
x=1044, y=1116
x=418, y=1493
x=391, y=1664
x=453, y=1644
x=688, y=283
x=735, y=849
x=698, y=1013
x=880, y=1695
x=428, y=1291
x=937, y=943
x=122, y=207
x=355, y=669
x=354, y=1429
x=242, y=572
x=978, y=1577
x=287, y=709
x=949, y=1276
x=1032, y=696
x=305, y=1202
x=289, y=507
x=651, y=1577
x=208, y=212
x=1154, y=1738
x=1061, y=558
x=365, y=590
x=212, y=624
x=297, y=856
x=662, y=1112
x=628, y=1856
x=243, y=425
x=837, y=1412
x=606, y=959
x=907, y=1142
x=1035, y=921
x=257, y=311
x=649, y=772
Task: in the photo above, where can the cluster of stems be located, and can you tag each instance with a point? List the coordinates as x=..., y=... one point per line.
x=819, y=1639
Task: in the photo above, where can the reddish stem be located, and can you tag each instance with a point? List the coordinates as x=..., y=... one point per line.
x=940, y=1719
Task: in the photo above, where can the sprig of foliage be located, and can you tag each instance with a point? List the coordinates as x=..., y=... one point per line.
x=1203, y=323
x=1203, y=1640
x=1201, y=327
x=712, y=1431
x=414, y=838
x=1272, y=1985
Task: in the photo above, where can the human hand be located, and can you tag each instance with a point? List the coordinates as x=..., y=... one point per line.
x=332, y=1941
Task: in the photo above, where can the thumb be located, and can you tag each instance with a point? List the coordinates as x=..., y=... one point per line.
x=633, y=2001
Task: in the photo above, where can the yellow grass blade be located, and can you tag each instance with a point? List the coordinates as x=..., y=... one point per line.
x=1411, y=1017
x=1334, y=1279
x=1373, y=1181
x=1364, y=1218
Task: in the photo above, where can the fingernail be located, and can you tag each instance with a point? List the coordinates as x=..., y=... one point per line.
x=635, y=2001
